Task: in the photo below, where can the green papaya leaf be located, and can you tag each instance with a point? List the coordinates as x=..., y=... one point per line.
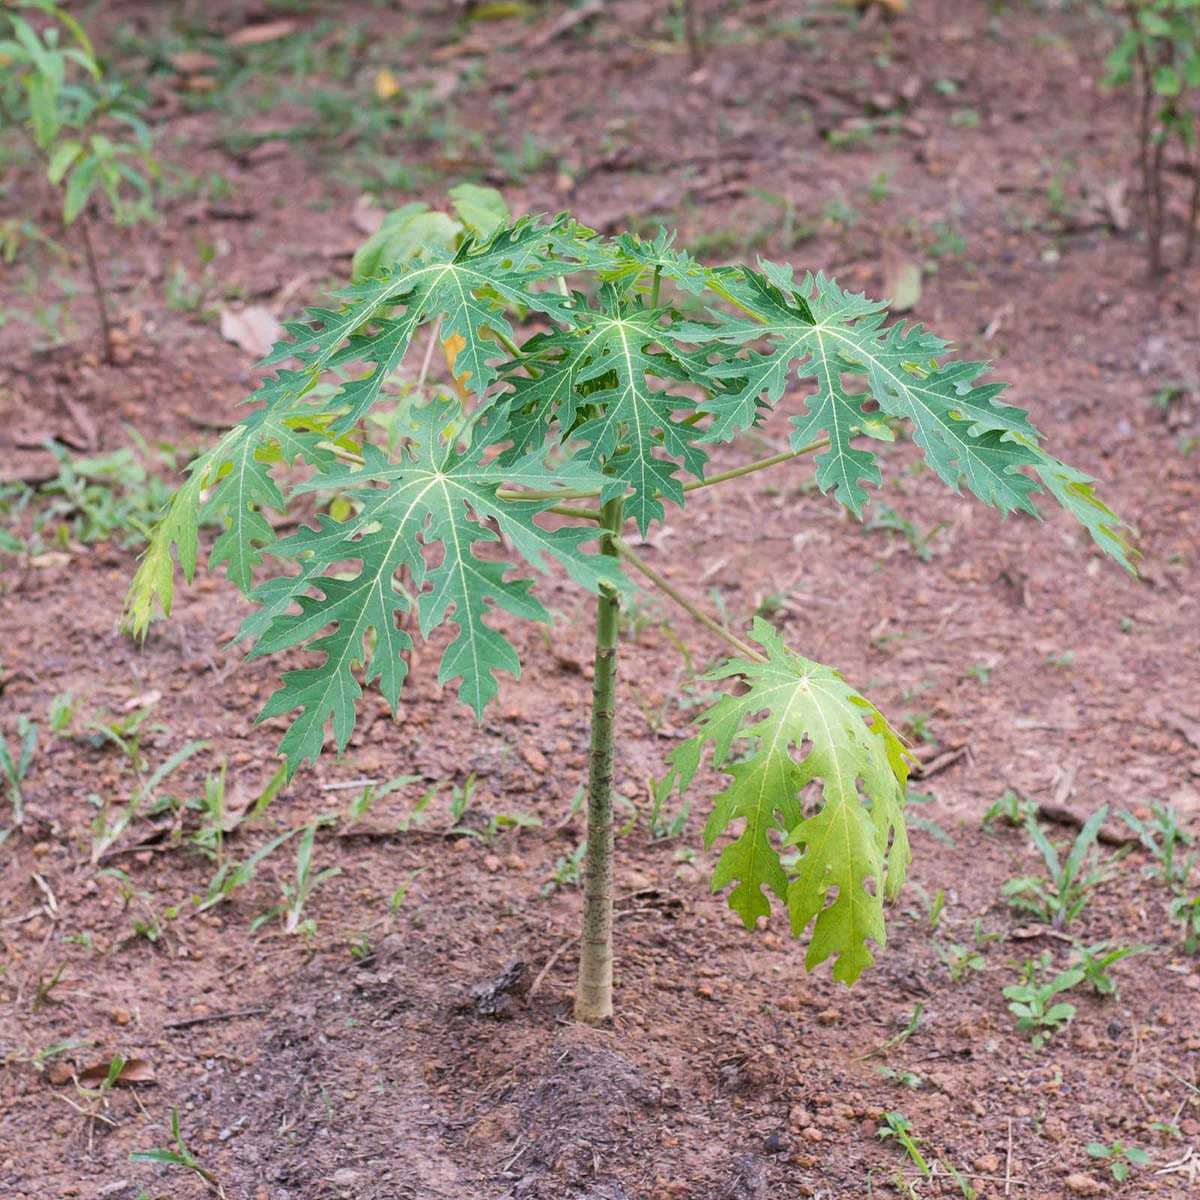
x=799, y=723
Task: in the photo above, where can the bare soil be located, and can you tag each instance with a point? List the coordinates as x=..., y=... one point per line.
x=371, y=1058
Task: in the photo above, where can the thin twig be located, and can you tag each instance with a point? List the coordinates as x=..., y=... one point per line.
x=562, y=949
x=1008, y=1162
x=208, y=1018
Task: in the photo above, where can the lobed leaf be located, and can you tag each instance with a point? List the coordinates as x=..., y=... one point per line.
x=441, y=496
x=853, y=851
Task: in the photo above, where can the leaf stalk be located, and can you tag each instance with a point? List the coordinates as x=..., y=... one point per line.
x=668, y=589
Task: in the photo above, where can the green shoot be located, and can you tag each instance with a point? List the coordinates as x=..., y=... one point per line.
x=180, y=1156
x=1033, y=1005
x=896, y=1125
x=1059, y=898
x=297, y=894
x=17, y=768
x=1166, y=841
x=1094, y=962
x=1121, y=1159
x=1187, y=910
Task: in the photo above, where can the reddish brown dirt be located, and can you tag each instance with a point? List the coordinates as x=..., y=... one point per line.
x=300, y=1070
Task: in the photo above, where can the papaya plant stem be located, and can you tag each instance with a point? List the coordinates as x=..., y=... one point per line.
x=593, y=992
x=97, y=287
x=638, y=563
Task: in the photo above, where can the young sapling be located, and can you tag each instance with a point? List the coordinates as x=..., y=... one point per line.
x=84, y=130
x=548, y=443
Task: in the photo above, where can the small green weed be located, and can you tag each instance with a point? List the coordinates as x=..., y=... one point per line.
x=1166, y=841
x=297, y=894
x=1121, y=1159
x=929, y=826
x=664, y=824
x=959, y=960
x=1058, y=899
x=906, y=1031
x=231, y=875
x=1012, y=809
x=980, y=672
x=109, y=823
x=1032, y=1001
x=1159, y=57
x=16, y=768
x=85, y=131
x=1094, y=962
x=1187, y=910
x=372, y=791
x=896, y=1125
x=497, y=824
x=889, y=520
x=567, y=871
x=138, y=904
x=908, y=1079
x=180, y=1156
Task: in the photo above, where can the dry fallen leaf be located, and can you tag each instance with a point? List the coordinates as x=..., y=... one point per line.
x=194, y=62
x=52, y=558
x=142, y=700
x=254, y=328
x=386, y=84
x=903, y=285
x=366, y=216
x=135, y=1070
x=255, y=35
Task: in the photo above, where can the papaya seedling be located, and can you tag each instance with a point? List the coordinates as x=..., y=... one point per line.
x=83, y=129
x=1158, y=56
x=577, y=411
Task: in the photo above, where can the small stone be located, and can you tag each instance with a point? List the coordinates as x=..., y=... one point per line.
x=122, y=1016
x=1084, y=1185
x=813, y=1134
x=59, y=1073
x=535, y=758
x=799, y=1117
x=491, y=863
x=514, y=862
x=987, y=1164
x=827, y=1016
x=41, y=849
x=346, y=1177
